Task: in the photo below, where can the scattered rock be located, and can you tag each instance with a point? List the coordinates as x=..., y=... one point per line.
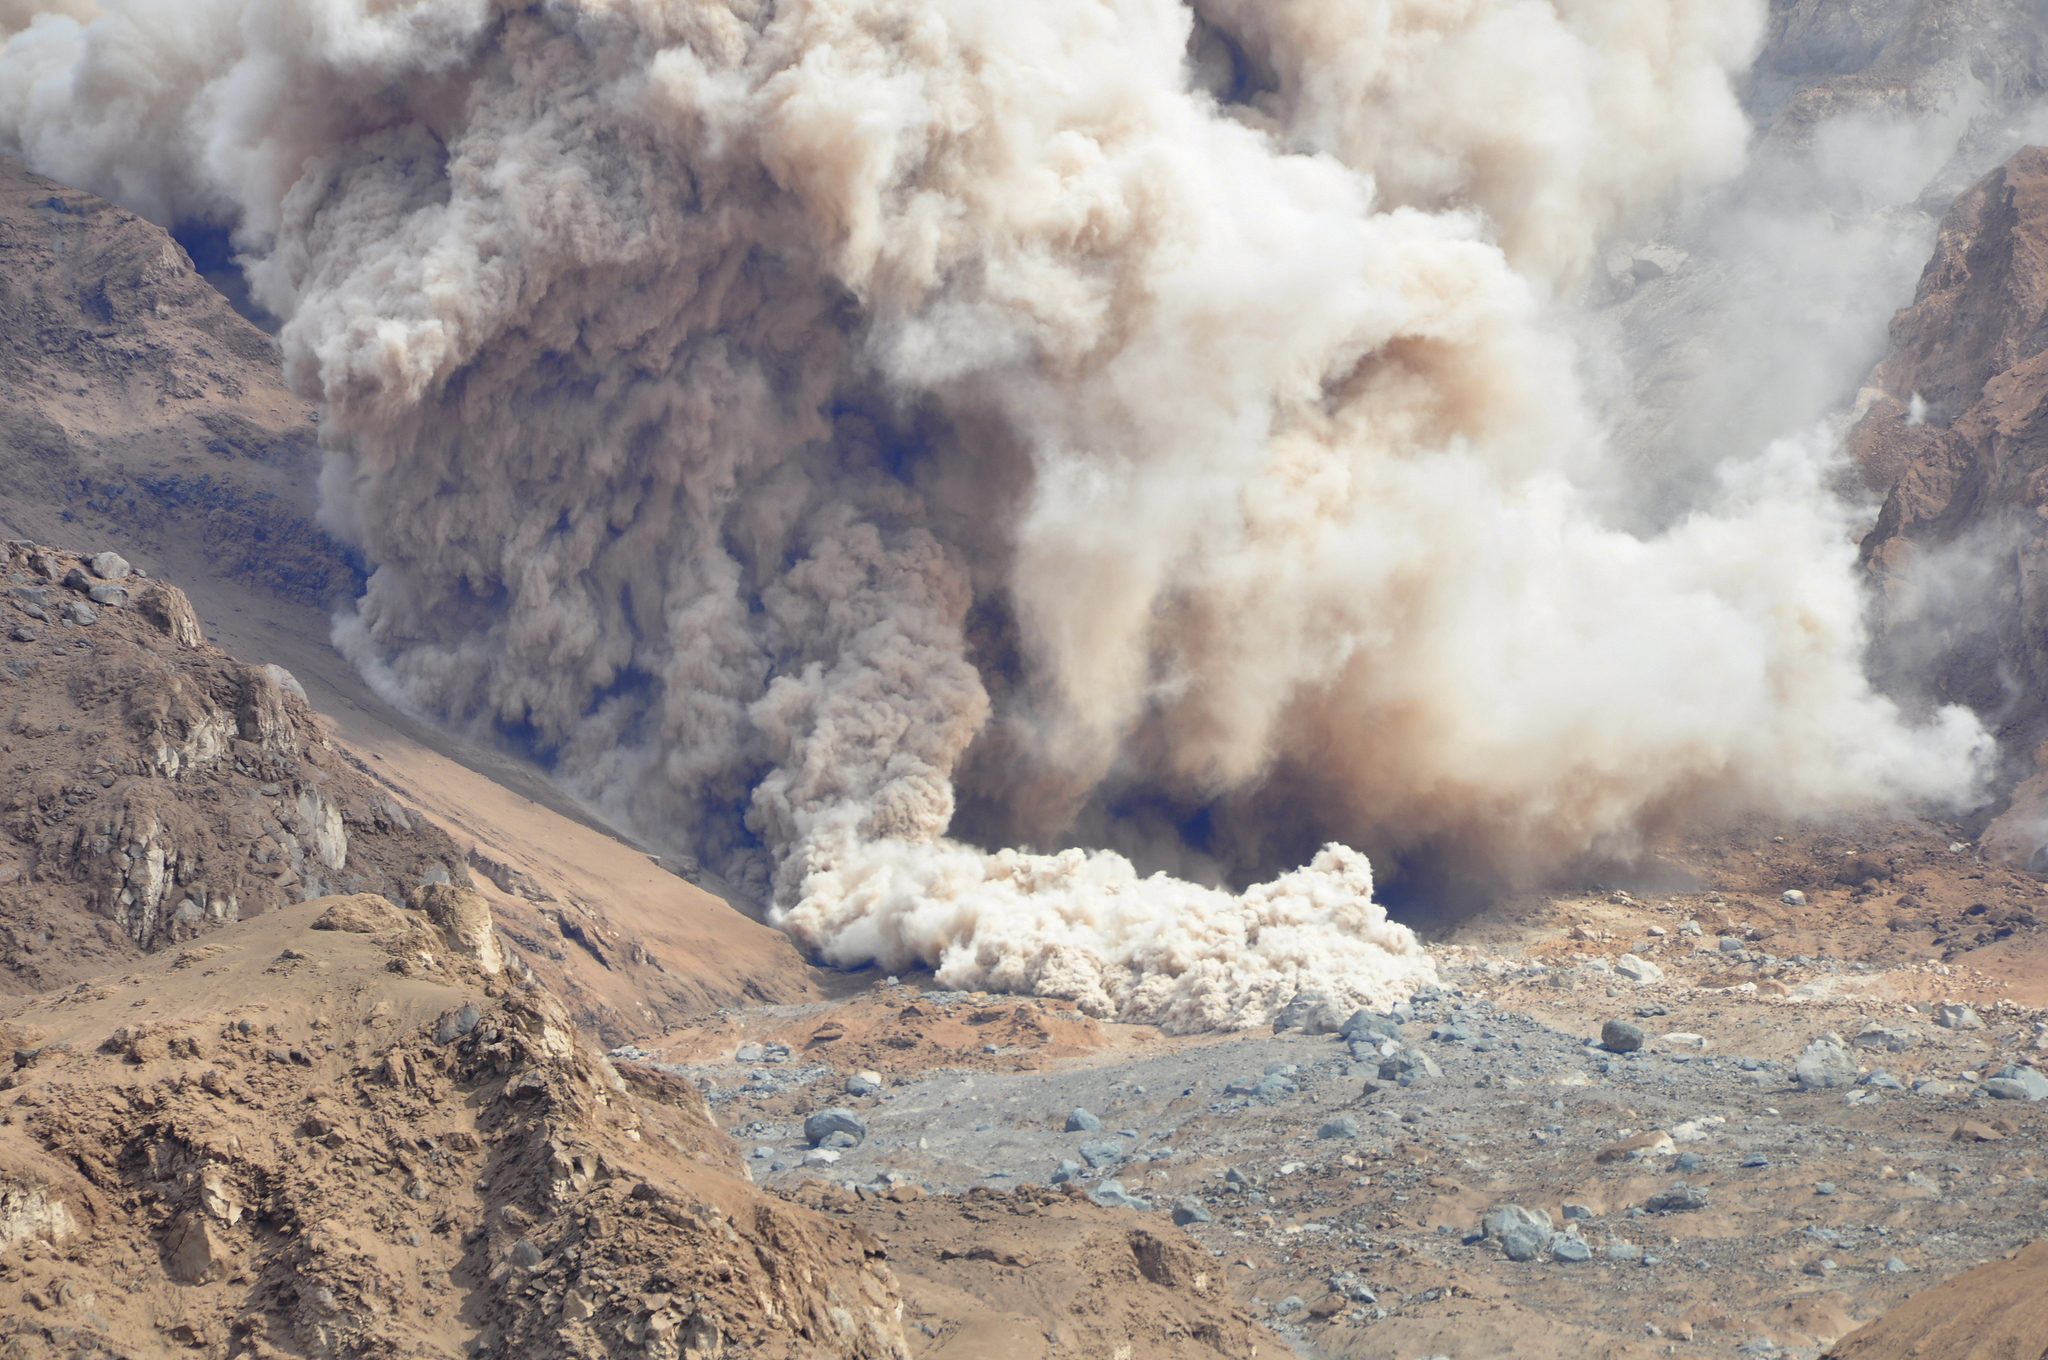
x=1108, y=1152
x=193, y=1253
x=1081, y=1121
x=825, y=1123
x=1679, y=1199
x=1565, y=1247
x=1363, y=1024
x=2017, y=1083
x=1955, y=1015
x=1824, y=1065
x=1188, y=1209
x=80, y=613
x=1408, y=1067
x=864, y=1084
x=1578, y=1212
x=1792, y=897
x=1638, y=970
x=110, y=566
x=1343, y=1126
x=1112, y=1195
x=1621, y=1036
x=1889, y=1038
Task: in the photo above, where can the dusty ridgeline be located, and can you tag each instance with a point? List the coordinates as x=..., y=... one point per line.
x=156, y=788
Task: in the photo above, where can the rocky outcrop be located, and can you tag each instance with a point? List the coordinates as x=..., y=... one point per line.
x=1955, y=425
x=155, y=788
x=441, y=1165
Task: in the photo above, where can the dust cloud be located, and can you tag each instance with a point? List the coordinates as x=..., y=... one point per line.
x=843, y=438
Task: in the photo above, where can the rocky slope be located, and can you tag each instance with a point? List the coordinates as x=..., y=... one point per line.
x=1955, y=425
x=342, y=1130
x=156, y=788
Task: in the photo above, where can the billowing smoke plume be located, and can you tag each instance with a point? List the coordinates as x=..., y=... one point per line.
x=819, y=427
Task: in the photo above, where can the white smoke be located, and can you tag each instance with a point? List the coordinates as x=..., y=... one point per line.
x=813, y=427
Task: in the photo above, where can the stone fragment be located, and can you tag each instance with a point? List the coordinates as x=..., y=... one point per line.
x=1107, y=1152
x=457, y=1023
x=1825, y=1064
x=1680, y=1198
x=1295, y=1012
x=110, y=566
x=194, y=1254
x=1578, y=1212
x=464, y=917
x=1975, y=1131
x=80, y=613
x=2017, y=1083
x=113, y=597
x=1730, y=944
x=360, y=914
x=1067, y=1170
x=1523, y=1241
x=1408, y=1067
x=1343, y=1126
x=825, y=1123
x=864, y=1084
x=1881, y=1080
x=1112, y=1195
x=1955, y=1015
x=1082, y=1121
x=1565, y=1247
x=1644, y=1144
x=1621, y=1036
x=1187, y=1209
x=1363, y=1024
x=1792, y=897
x=749, y=1053
x=1889, y=1038
x=1638, y=970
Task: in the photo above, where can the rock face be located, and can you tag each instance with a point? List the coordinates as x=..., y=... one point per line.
x=1955, y=427
x=152, y=788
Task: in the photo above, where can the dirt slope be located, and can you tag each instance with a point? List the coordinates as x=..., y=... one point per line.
x=1995, y=1312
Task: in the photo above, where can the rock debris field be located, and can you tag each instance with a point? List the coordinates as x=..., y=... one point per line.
x=1557, y=1159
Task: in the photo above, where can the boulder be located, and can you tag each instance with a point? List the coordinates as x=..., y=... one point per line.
x=1955, y=1015
x=1825, y=1065
x=1082, y=1121
x=1620, y=1036
x=465, y=918
x=825, y=1123
x=1636, y=970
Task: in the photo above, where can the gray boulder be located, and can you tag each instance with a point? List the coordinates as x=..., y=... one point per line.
x=1296, y=1012
x=1363, y=1024
x=1081, y=1121
x=1524, y=1241
x=1638, y=970
x=1888, y=1038
x=1408, y=1067
x=1108, y=1152
x=1187, y=1209
x=2014, y=1082
x=1620, y=1036
x=1343, y=1126
x=825, y=1123
x=1824, y=1065
x=1679, y=1199
x=1955, y=1015
x=1112, y=1195
x=1565, y=1247
x=110, y=566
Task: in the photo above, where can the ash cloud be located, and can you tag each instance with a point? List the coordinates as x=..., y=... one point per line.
x=846, y=439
